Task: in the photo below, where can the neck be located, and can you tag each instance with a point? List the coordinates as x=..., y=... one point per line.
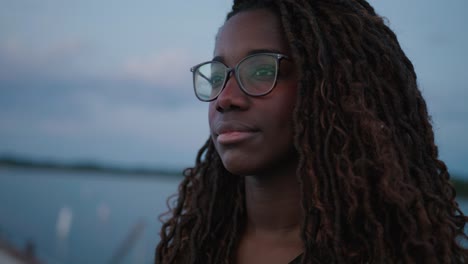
x=273, y=203
x=273, y=207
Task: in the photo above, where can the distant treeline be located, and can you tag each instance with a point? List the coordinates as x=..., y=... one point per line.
x=461, y=185
x=86, y=167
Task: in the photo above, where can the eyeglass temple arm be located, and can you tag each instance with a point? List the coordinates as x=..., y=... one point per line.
x=204, y=77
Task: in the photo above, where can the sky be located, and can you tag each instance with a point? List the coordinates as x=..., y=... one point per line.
x=109, y=82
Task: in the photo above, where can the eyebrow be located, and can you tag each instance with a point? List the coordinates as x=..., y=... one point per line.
x=251, y=52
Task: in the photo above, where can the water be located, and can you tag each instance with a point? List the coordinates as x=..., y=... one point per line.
x=77, y=218
x=82, y=218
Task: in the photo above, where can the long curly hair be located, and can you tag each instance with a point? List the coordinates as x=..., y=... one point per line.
x=373, y=189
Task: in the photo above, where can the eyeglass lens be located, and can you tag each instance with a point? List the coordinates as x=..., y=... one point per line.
x=256, y=76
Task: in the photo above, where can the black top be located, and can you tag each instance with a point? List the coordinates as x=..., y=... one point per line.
x=297, y=260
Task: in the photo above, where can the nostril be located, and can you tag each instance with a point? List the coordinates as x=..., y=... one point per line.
x=226, y=106
x=231, y=97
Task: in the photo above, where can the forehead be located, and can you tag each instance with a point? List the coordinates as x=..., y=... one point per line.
x=248, y=31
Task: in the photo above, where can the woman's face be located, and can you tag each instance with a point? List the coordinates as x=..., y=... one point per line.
x=254, y=135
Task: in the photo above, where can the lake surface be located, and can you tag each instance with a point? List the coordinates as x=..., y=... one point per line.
x=79, y=218
x=76, y=218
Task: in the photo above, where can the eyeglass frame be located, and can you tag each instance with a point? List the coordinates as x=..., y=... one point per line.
x=235, y=69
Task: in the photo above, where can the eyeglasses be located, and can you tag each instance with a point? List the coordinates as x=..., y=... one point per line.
x=256, y=75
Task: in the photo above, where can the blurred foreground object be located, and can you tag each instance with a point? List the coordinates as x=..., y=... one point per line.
x=11, y=255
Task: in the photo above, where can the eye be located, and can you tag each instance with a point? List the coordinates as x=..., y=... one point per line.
x=217, y=79
x=263, y=72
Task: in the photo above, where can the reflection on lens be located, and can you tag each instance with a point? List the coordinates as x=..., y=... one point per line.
x=258, y=74
x=209, y=79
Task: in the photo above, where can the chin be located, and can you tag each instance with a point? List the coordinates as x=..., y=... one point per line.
x=239, y=166
x=238, y=169
x=245, y=166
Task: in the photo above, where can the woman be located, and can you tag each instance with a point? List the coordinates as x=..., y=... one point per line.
x=321, y=148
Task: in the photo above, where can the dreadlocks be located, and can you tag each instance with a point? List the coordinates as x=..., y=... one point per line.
x=368, y=165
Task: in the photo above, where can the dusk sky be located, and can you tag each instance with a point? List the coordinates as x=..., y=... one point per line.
x=109, y=81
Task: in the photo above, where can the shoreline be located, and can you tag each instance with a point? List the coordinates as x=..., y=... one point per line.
x=88, y=167
x=459, y=182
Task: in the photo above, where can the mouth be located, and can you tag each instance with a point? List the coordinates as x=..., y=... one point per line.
x=233, y=137
x=227, y=133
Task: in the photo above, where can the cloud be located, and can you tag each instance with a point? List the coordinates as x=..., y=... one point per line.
x=76, y=65
x=452, y=142
x=58, y=59
x=153, y=124
x=168, y=68
x=102, y=123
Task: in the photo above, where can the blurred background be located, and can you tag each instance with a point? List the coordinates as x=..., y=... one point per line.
x=98, y=117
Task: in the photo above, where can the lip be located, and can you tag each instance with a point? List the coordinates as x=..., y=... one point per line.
x=233, y=132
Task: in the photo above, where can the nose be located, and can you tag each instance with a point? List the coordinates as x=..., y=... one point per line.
x=231, y=97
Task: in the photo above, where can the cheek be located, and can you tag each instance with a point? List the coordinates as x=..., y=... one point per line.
x=211, y=115
x=283, y=116
x=286, y=107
